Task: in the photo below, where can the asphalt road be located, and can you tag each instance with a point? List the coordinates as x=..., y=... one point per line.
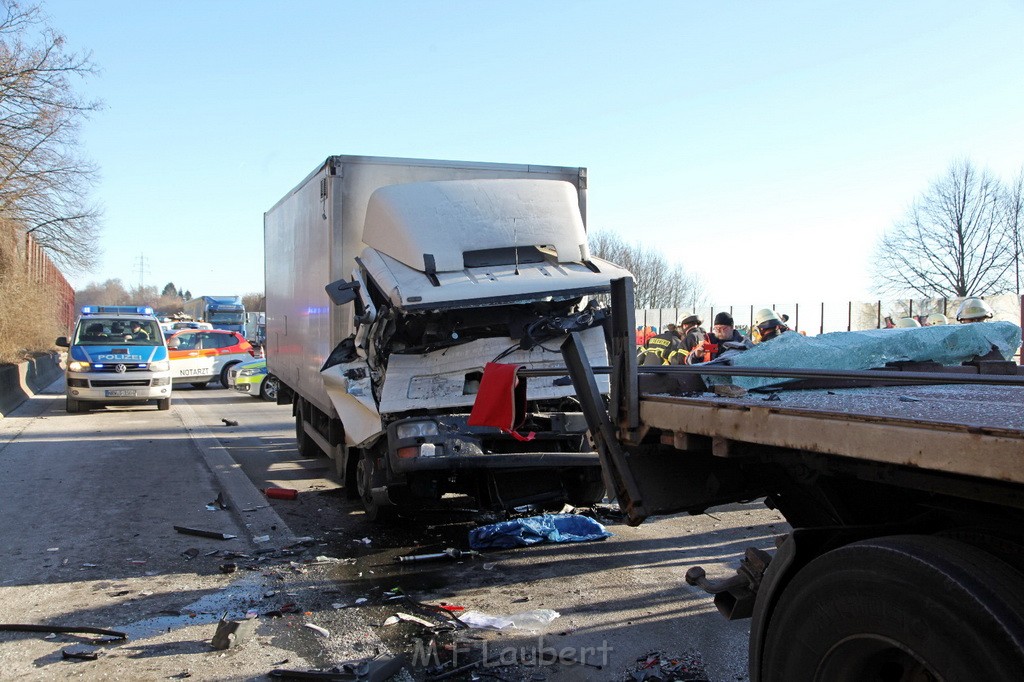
x=90, y=502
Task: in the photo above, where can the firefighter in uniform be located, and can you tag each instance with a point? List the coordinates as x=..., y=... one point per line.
x=658, y=348
x=692, y=334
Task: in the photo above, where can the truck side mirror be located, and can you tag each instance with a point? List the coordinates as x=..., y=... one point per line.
x=62, y=341
x=342, y=291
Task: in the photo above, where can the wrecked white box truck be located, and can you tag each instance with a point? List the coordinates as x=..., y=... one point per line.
x=435, y=268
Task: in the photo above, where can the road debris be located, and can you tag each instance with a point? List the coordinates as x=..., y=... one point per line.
x=190, y=553
x=526, y=620
x=323, y=632
x=80, y=654
x=450, y=553
x=205, y=533
x=532, y=530
x=233, y=633
x=400, y=617
x=658, y=665
x=281, y=493
x=229, y=422
x=61, y=629
x=218, y=503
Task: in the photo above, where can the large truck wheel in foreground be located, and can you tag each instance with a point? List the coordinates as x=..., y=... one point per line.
x=437, y=268
x=904, y=486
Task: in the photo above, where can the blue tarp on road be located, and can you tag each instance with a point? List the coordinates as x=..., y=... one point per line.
x=536, y=529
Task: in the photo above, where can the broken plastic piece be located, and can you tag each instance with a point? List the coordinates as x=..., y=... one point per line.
x=527, y=620
x=233, y=633
x=80, y=654
x=204, y=533
x=323, y=632
x=400, y=617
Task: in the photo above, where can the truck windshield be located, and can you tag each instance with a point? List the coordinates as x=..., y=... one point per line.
x=100, y=331
x=226, y=318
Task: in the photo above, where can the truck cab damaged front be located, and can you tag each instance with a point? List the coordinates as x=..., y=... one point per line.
x=456, y=275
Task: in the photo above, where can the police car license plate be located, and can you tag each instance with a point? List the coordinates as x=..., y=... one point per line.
x=121, y=393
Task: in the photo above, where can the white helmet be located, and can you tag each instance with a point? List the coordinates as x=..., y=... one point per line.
x=907, y=322
x=936, y=319
x=765, y=314
x=973, y=309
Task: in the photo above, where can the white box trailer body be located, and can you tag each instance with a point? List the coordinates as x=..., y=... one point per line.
x=444, y=253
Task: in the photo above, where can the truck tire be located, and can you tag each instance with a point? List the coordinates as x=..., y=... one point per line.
x=73, y=405
x=268, y=389
x=307, y=446
x=899, y=608
x=163, y=404
x=367, y=478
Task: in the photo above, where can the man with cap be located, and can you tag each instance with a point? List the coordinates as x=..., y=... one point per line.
x=723, y=337
x=692, y=334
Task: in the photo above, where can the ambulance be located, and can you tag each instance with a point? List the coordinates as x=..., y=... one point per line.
x=117, y=355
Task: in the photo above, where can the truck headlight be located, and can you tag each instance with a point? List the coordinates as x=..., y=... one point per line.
x=76, y=366
x=160, y=366
x=416, y=429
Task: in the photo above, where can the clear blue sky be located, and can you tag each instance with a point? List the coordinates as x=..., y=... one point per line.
x=764, y=146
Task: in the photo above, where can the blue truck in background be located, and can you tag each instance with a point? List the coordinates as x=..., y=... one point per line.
x=223, y=312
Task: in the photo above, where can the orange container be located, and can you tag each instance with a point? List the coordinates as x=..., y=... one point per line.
x=281, y=493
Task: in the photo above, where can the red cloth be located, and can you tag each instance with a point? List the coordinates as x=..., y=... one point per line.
x=501, y=400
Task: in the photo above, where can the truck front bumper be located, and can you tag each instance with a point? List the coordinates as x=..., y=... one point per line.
x=450, y=444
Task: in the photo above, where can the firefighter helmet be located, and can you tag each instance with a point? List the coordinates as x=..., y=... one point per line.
x=765, y=314
x=907, y=322
x=973, y=309
x=936, y=318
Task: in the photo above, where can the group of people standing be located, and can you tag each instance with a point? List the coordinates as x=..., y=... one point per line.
x=689, y=343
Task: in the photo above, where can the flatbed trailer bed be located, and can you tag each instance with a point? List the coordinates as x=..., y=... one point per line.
x=905, y=494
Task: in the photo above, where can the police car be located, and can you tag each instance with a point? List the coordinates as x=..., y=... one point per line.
x=117, y=354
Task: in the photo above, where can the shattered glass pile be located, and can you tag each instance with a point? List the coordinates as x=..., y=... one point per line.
x=945, y=344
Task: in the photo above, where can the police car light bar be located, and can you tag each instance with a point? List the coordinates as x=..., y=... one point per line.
x=117, y=310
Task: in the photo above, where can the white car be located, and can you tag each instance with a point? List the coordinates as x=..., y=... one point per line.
x=199, y=356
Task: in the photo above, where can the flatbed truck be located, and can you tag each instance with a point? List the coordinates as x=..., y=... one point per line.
x=904, y=488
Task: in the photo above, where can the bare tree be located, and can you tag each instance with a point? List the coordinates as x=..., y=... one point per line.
x=254, y=302
x=659, y=284
x=111, y=292
x=1014, y=203
x=953, y=241
x=44, y=183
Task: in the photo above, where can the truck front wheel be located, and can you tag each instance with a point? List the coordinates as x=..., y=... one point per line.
x=898, y=608
x=73, y=405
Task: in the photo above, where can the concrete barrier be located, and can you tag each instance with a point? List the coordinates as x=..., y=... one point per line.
x=21, y=381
